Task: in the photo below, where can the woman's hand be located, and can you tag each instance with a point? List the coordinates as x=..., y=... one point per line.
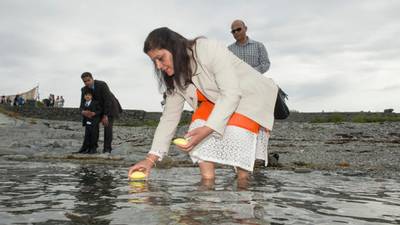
x=145, y=165
x=195, y=136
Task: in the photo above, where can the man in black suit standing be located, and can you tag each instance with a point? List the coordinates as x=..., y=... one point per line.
x=108, y=102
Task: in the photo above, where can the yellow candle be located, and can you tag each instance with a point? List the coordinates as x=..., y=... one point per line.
x=180, y=141
x=138, y=175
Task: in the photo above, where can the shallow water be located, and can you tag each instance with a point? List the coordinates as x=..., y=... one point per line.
x=64, y=193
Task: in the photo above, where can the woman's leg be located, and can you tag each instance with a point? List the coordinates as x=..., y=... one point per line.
x=207, y=170
x=242, y=179
x=242, y=174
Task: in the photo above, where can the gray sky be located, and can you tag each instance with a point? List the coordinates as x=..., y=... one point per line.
x=339, y=55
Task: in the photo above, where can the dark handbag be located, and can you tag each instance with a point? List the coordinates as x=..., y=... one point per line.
x=281, y=110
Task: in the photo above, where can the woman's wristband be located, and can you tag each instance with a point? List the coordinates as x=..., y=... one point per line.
x=152, y=161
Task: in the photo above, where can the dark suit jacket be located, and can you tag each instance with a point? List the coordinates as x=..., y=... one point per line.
x=106, y=99
x=93, y=107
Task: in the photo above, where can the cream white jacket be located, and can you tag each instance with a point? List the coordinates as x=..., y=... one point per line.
x=224, y=79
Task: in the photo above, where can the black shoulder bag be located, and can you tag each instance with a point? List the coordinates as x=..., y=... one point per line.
x=281, y=110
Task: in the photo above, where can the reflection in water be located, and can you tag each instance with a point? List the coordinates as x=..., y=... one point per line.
x=207, y=184
x=228, y=216
x=242, y=184
x=138, y=187
x=68, y=194
x=94, y=196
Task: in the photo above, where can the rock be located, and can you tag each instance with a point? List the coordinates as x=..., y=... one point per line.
x=76, y=136
x=47, y=124
x=273, y=159
x=62, y=127
x=353, y=173
x=345, y=136
x=15, y=157
x=357, y=134
x=343, y=163
x=80, y=218
x=166, y=163
x=123, y=149
x=364, y=151
x=19, y=145
x=301, y=163
x=55, y=144
x=39, y=155
x=395, y=141
x=134, y=158
x=394, y=134
x=338, y=141
x=104, y=156
x=302, y=170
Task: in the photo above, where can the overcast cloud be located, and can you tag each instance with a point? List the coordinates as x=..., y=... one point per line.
x=339, y=55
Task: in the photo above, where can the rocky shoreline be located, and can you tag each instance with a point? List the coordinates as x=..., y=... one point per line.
x=353, y=149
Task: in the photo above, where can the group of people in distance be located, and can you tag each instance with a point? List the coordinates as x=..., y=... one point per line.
x=52, y=101
x=18, y=100
x=233, y=103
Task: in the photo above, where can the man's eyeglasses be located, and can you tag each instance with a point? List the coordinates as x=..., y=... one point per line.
x=236, y=30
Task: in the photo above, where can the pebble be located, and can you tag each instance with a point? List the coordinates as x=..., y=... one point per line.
x=353, y=173
x=15, y=157
x=302, y=170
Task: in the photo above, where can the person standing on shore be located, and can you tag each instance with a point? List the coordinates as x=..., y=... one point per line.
x=15, y=102
x=52, y=100
x=230, y=121
x=252, y=52
x=57, y=101
x=9, y=101
x=61, y=102
x=20, y=100
x=91, y=112
x=108, y=102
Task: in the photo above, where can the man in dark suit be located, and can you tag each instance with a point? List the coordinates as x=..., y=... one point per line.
x=108, y=102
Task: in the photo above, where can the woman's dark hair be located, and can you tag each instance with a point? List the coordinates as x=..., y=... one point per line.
x=165, y=38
